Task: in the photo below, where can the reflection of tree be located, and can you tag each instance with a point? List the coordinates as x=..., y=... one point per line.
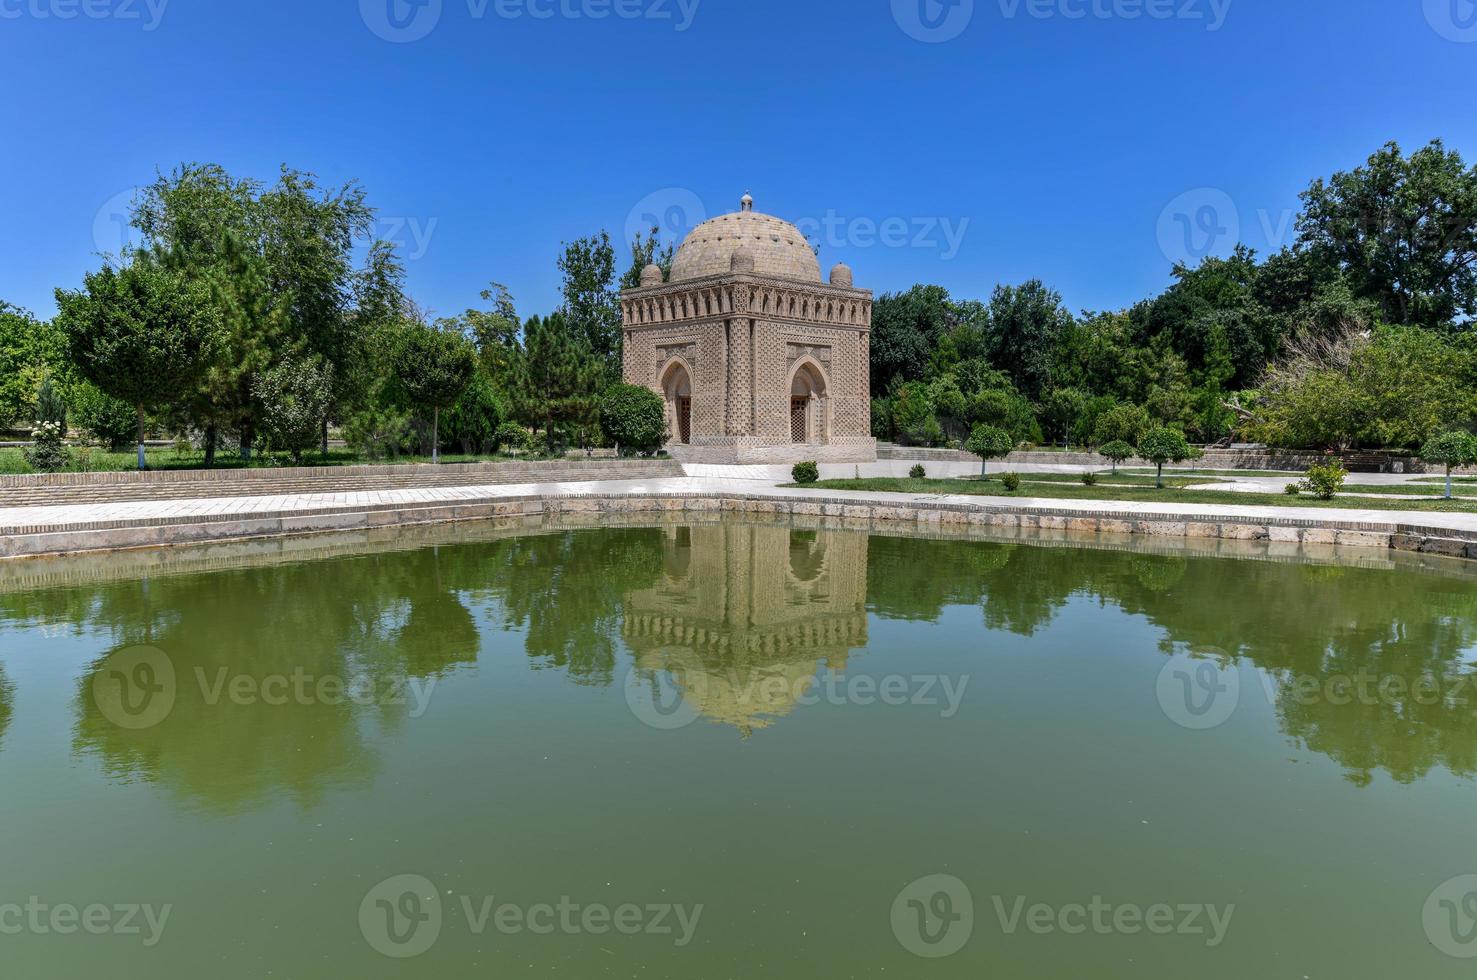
x=568, y=590
x=7, y=700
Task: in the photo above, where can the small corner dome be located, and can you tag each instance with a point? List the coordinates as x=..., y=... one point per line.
x=841, y=275
x=651, y=275
x=742, y=261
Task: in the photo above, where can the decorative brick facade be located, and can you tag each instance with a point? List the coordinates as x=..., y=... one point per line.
x=757, y=360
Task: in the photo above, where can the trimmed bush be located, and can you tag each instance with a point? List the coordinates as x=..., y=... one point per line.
x=805, y=473
x=47, y=454
x=1117, y=451
x=1012, y=482
x=512, y=437
x=918, y=472
x=634, y=418
x=1325, y=480
x=1164, y=445
x=1451, y=449
x=989, y=442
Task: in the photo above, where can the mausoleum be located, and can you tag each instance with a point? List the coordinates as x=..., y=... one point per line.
x=757, y=359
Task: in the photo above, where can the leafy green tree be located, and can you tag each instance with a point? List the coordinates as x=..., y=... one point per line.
x=473, y=421
x=1124, y=423
x=434, y=366
x=1403, y=230
x=988, y=442
x=648, y=250
x=141, y=334
x=1164, y=445
x=906, y=327
x=556, y=378
x=1061, y=410
x=108, y=420
x=634, y=418
x=1117, y=451
x=1451, y=449
x=30, y=351
x=1026, y=326
x=591, y=304
x=294, y=396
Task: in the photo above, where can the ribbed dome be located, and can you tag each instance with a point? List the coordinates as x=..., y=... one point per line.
x=776, y=247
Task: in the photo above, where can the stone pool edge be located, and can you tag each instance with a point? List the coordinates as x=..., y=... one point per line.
x=155, y=532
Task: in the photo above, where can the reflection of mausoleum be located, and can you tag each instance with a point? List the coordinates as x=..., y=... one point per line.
x=744, y=616
x=757, y=360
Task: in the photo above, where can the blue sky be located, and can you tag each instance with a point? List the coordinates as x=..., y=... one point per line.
x=1085, y=142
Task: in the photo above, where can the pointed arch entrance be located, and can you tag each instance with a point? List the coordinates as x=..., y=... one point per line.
x=677, y=391
x=809, y=422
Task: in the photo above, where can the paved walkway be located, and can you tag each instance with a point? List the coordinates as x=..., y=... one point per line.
x=753, y=481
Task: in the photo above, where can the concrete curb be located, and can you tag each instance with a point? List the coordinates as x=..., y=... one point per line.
x=153, y=533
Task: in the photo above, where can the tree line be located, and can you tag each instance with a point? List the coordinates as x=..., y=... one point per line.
x=249, y=320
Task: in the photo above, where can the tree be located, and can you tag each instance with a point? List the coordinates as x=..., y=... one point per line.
x=906, y=327
x=634, y=418
x=556, y=376
x=294, y=396
x=141, y=334
x=107, y=419
x=29, y=352
x=988, y=442
x=648, y=250
x=591, y=306
x=1117, y=451
x=1027, y=324
x=473, y=421
x=1164, y=445
x=434, y=366
x=1062, y=408
x=1123, y=423
x=1451, y=449
x=1403, y=230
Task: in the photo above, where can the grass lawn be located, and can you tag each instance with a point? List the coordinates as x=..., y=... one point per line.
x=1181, y=471
x=1054, y=491
x=166, y=458
x=1442, y=479
x=1410, y=489
x=1108, y=479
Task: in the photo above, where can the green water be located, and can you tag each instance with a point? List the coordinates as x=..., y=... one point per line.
x=734, y=750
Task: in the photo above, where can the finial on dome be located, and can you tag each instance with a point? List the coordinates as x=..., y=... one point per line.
x=747, y=202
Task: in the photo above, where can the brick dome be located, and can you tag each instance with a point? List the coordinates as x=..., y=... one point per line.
x=776, y=248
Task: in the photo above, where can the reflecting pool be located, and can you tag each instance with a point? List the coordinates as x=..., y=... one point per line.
x=736, y=749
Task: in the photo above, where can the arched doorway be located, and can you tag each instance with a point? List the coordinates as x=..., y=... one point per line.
x=808, y=421
x=677, y=390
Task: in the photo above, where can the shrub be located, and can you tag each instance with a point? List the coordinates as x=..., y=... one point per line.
x=47, y=454
x=1325, y=480
x=1089, y=479
x=1012, y=482
x=805, y=473
x=634, y=418
x=294, y=396
x=376, y=433
x=918, y=472
x=106, y=419
x=471, y=424
x=881, y=418
x=1293, y=490
x=512, y=437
